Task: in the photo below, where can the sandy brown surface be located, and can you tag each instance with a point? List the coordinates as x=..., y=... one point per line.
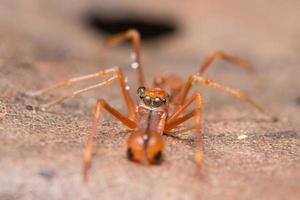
x=41, y=151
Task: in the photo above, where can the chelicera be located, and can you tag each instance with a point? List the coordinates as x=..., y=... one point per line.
x=157, y=110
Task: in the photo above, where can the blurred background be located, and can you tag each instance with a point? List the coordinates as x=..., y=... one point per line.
x=267, y=30
x=45, y=41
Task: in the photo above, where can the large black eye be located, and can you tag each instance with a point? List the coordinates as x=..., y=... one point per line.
x=147, y=100
x=140, y=91
x=158, y=157
x=157, y=102
x=130, y=154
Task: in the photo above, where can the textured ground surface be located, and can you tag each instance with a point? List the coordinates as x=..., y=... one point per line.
x=41, y=151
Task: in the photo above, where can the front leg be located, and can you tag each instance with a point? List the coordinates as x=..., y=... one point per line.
x=135, y=38
x=101, y=104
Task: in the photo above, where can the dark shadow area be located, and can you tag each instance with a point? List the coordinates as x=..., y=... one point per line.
x=149, y=27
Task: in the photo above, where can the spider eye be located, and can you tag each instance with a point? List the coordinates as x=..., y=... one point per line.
x=147, y=100
x=157, y=102
x=140, y=91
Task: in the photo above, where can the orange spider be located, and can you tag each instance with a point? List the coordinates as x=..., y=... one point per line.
x=158, y=109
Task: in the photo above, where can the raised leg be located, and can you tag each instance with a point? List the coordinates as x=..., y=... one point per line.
x=114, y=73
x=101, y=104
x=78, y=92
x=70, y=82
x=210, y=83
x=135, y=38
x=175, y=120
x=221, y=55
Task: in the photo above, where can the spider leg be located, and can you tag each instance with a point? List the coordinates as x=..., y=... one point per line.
x=78, y=92
x=175, y=120
x=210, y=83
x=114, y=73
x=101, y=104
x=221, y=55
x=173, y=84
x=195, y=97
x=135, y=38
x=69, y=82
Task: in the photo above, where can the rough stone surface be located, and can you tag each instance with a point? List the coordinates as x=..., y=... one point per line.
x=246, y=155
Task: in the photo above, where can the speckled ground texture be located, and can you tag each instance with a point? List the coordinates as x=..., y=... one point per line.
x=246, y=155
